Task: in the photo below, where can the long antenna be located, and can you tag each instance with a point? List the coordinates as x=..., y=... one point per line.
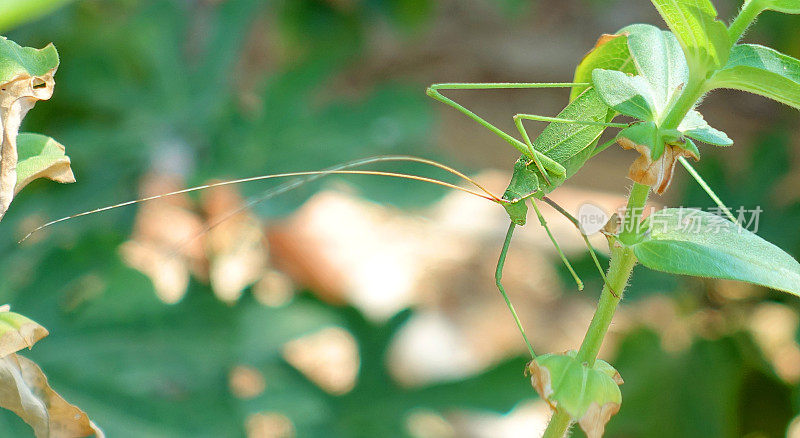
x=310, y=175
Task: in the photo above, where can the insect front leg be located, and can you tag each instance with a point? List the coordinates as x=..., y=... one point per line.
x=546, y=162
x=577, y=279
x=433, y=91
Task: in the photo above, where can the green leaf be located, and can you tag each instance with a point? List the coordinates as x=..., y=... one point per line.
x=629, y=95
x=704, y=39
x=16, y=61
x=785, y=6
x=694, y=242
x=643, y=133
x=41, y=157
x=609, y=53
x=689, y=145
x=589, y=394
x=696, y=127
x=658, y=57
x=761, y=70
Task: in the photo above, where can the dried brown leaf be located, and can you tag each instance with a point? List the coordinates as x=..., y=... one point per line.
x=596, y=417
x=17, y=332
x=17, y=97
x=25, y=391
x=164, y=245
x=540, y=380
x=658, y=173
x=235, y=244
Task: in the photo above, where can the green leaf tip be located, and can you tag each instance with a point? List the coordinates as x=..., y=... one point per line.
x=19, y=62
x=702, y=244
x=589, y=394
x=694, y=126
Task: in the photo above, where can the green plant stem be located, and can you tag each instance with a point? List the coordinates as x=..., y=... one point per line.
x=619, y=271
x=691, y=93
x=559, y=423
x=622, y=257
x=747, y=15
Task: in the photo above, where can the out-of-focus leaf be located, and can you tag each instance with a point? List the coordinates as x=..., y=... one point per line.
x=702, y=391
x=694, y=242
x=377, y=405
x=41, y=157
x=16, y=12
x=170, y=363
x=17, y=332
x=411, y=13
x=761, y=70
x=25, y=391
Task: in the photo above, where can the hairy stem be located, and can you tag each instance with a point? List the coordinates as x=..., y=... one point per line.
x=689, y=97
x=619, y=271
x=748, y=13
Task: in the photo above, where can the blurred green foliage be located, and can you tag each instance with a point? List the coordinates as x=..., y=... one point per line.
x=141, y=80
x=16, y=12
x=135, y=364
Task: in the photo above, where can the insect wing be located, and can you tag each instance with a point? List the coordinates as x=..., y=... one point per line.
x=571, y=144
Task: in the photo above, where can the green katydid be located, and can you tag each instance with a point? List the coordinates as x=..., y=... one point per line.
x=572, y=137
x=556, y=154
